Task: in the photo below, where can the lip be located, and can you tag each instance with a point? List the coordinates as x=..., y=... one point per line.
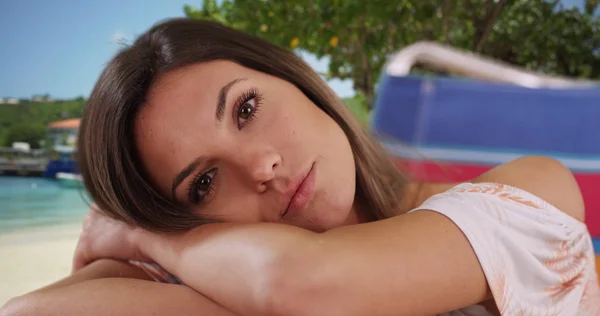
x=300, y=194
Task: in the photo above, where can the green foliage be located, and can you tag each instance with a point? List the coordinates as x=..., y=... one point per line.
x=27, y=133
x=27, y=120
x=358, y=107
x=358, y=36
x=542, y=38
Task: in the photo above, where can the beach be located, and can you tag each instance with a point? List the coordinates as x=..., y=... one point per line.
x=34, y=257
x=39, y=226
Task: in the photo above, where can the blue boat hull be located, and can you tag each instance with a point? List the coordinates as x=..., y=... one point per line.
x=468, y=127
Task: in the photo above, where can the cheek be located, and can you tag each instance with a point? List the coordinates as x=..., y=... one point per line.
x=338, y=174
x=342, y=169
x=301, y=123
x=287, y=132
x=233, y=207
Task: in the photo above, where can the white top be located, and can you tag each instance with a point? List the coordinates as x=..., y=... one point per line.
x=537, y=260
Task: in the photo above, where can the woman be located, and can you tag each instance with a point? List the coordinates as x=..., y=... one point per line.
x=197, y=124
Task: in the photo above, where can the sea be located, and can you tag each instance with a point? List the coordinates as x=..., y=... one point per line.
x=27, y=202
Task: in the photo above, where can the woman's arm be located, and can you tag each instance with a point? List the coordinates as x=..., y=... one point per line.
x=100, y=269
x=417, y=264
x=108, y=287
x=420, y=263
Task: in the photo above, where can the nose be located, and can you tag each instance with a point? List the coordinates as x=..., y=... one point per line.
x=261, y=167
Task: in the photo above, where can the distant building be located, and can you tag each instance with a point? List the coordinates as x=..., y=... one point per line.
x=11, y=101
x=41, y=98
x=2, y=101
x=21, y=146
x=64, y=133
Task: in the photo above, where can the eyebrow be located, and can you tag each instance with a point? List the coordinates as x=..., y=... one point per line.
x=223, y=97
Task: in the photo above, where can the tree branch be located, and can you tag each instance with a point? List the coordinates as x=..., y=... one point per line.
x=341, y=75
x=591, y=6
x=446, y=16
x=491, y=19
x=470, y=7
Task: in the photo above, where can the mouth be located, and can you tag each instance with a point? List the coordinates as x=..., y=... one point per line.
x=301, y=193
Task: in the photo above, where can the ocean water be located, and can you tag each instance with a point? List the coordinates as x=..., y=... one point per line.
x=29, y=202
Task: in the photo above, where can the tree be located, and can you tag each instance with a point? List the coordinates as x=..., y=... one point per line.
x=355, y=35
x=591, y=6
x=26, y=133
x=358, y=36
x=36, y=115
x=547, y=38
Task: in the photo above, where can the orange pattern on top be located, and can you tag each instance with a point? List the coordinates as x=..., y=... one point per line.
x=572, y=267
x=502, y=191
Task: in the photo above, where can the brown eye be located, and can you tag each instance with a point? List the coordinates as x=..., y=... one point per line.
x=202, y=186
x=246, y=110
x=204, y=183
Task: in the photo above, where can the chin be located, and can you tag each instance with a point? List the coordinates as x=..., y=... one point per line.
x=336, y=217
x=330, y=209
x=323, y=221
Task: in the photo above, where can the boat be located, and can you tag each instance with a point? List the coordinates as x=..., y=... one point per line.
x=69, y=180
x=450, y=129
x=62, y=159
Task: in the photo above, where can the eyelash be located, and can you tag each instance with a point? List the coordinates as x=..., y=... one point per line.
x=193, y=188
x=242, y=99
x=252, y=93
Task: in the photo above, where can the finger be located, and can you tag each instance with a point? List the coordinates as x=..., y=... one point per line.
x=78, y=263
x=80, y=257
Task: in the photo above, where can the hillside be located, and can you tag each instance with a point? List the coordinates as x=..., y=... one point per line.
x=27, y=120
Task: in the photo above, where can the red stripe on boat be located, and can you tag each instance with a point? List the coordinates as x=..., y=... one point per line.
x=458, y=172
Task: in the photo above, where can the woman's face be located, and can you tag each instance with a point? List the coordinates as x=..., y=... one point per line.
x=239, y=145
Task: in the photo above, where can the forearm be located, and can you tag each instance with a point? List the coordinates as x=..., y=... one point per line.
x=114, y=296
x=416, y=264
x=384, y=268
x=117, y=288
x=235, y=265
x=99, y=269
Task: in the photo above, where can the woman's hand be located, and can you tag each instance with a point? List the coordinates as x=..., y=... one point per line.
x=104, y=237
x=236, y=265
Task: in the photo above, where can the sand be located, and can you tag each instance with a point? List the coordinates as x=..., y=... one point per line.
x=34, y=257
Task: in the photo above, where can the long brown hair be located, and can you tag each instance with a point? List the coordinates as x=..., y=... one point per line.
x=110, y=165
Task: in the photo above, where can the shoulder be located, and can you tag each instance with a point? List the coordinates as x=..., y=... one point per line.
x=544, y=177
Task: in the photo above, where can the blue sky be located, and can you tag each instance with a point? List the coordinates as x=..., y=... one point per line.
x=60, y=46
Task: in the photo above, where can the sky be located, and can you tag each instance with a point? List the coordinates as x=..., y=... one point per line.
x=60, y=47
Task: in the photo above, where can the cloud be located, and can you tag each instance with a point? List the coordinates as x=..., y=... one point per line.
x=119, y=37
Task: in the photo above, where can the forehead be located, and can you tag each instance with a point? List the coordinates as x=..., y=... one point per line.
x=200, y=80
